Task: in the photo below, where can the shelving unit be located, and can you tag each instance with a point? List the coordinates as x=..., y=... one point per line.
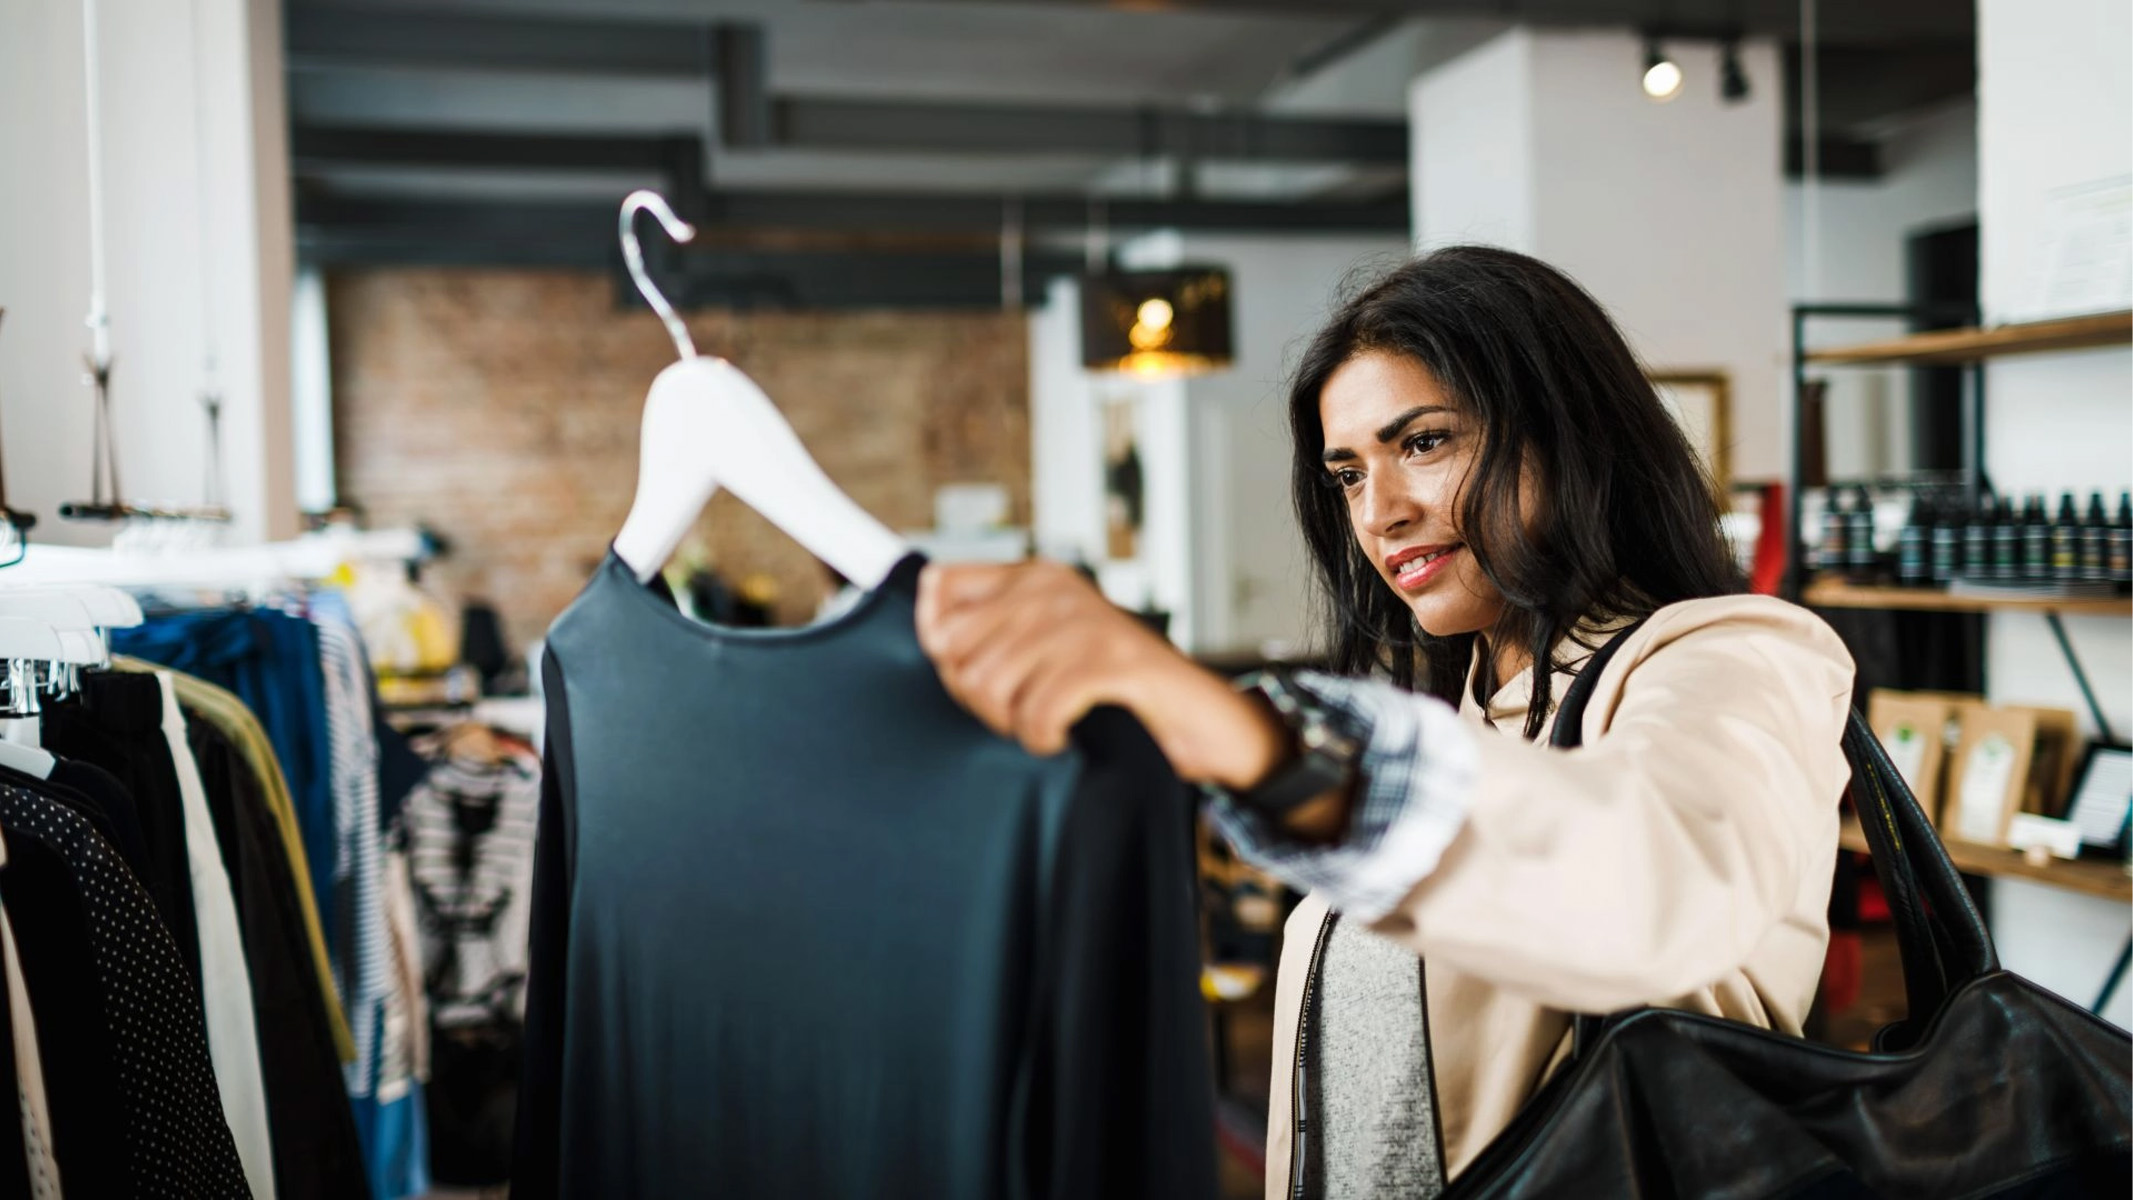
x=2091, y=877
x=1839, y=593
x=1954, y=347
x=1968, y=349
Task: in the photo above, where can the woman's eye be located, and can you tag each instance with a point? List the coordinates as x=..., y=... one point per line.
x=1345, y=479
x=1423, y=443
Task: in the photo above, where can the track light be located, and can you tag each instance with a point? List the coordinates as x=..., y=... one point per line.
x=1662, y=75
x=1732, y=81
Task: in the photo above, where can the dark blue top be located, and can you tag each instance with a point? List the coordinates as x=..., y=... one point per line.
x=803, y=927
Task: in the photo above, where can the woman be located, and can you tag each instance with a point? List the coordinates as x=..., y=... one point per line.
x=1486, y=481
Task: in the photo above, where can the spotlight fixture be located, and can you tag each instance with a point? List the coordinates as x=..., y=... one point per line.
x=1156, y=323
x=1732, y=81
x=1662, y=75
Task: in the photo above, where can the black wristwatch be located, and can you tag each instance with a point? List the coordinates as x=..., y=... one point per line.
x=1325, y=755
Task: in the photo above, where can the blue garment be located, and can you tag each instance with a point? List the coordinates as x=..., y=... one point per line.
x=271, y=661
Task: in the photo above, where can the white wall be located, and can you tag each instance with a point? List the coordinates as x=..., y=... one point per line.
x=1669, y=213
x=2055, y=111
x=1250, y=553
x=1472, y=157
x=1928, y=181
x=192, y=118
x=1220, y=547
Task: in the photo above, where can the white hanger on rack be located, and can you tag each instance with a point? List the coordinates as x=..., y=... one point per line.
x=708, y=426
x=25, y=642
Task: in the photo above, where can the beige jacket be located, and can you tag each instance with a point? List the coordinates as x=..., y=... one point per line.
x=1682, y=858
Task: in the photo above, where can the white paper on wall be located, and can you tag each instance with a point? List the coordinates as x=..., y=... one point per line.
x=2083, y=258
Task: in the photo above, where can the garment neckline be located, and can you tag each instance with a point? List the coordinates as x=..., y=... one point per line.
x=1513, y=695
x=902, y=582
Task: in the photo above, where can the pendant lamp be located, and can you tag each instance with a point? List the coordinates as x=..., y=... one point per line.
x=1156, y=323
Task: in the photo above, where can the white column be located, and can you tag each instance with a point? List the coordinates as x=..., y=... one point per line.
x=1671, y=214
x=198, y=250
x=2055, y=153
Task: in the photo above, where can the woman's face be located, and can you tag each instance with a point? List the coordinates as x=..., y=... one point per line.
x=1400, y=448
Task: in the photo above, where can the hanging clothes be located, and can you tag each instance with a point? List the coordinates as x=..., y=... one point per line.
x=365, y=966
x=30, y=1158
x=270, y=659
x=116, y=724
x=232, y=1029
x=470, y=831
x=317, y=1153
x=176, y=1141
x=804, y=928
x=49, y=920
x=222, y=710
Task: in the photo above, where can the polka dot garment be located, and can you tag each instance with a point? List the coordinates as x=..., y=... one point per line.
x=178, y=1144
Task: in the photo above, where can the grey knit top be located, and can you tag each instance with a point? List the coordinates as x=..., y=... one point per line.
x=1372, y=1098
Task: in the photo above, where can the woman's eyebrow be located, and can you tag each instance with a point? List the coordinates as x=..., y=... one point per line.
x=1391, y=430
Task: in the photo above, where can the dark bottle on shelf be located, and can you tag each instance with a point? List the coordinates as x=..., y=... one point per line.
x=2066, y=542
x=2036, y=540
x=1914, y=567
x=1945, y=545
x=2121, y=552
x=2096, y=542
x=2006, y=543
x=1829, y=552
x=1978, y=538
x=1860, y=559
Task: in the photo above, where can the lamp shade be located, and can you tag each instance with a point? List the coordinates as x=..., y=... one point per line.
x=1169, y=322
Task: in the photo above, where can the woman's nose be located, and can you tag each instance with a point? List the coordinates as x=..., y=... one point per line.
x=1388, y=508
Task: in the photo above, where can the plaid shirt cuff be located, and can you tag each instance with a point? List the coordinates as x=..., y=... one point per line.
x=1415, y=778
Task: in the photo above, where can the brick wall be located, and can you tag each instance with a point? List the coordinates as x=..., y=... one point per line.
x=501, y=408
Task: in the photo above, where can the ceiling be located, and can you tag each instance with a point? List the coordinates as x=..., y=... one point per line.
x=504, y=130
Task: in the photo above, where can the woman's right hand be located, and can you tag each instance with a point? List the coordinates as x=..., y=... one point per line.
x=1030, y=648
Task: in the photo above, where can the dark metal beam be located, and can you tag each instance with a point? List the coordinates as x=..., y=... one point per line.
x=743, y=87
x=323, y=145
x=1882, y=21
x=582, y=237
x=1837, y=158
x=892, y=212
x=824, y=124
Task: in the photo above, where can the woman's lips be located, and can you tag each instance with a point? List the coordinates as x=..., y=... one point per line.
x=1414, y=575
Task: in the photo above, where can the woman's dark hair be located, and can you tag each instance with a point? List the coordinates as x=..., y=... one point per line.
x=1626, y=520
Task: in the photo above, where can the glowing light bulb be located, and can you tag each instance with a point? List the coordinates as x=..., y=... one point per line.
x=1662, y=80
x=1155, y=314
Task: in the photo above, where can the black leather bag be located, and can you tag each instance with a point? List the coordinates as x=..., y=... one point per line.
x=1991, y=1087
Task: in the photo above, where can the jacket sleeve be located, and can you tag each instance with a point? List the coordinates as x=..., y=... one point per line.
x=1653, y=860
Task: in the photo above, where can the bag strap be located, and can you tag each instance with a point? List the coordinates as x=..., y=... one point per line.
x=1939, y=933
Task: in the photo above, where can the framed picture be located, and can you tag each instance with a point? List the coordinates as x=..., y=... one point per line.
x=1702, y=404
x=1125, y=494
x=2104, y=794
x=1990, y=774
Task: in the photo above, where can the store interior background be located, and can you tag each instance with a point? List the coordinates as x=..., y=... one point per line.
x=395, y=224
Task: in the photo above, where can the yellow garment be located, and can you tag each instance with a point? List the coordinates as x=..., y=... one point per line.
x=223, y=710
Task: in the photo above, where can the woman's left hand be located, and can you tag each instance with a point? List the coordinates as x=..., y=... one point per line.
x=1030, y=648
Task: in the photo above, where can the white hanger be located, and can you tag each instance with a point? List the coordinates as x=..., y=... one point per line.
x=23, y=643
x=60, y=608
x=708, y=426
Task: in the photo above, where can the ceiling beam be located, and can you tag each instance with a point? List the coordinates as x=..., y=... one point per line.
x=787, y=273
x=1881, y=21
x=839, y=211
x=824, y=124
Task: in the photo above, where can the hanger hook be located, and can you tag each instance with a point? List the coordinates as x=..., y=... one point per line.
x=644, y=199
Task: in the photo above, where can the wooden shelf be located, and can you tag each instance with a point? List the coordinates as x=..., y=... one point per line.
x=2090, y=877
x=1836, y=593
x=1943, y=347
